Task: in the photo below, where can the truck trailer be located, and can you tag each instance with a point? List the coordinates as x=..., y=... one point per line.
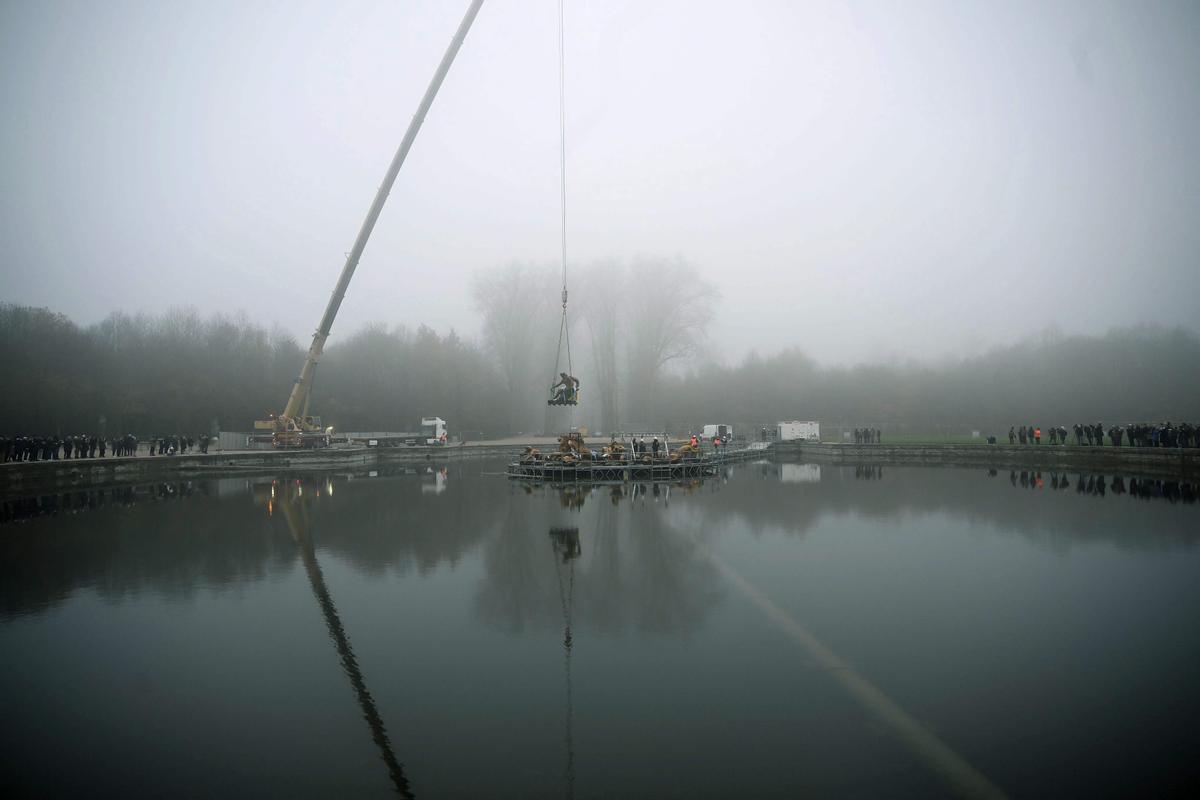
x=796, y=430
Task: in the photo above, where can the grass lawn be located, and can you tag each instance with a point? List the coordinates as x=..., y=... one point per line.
x=928, y=439
x=933, y=438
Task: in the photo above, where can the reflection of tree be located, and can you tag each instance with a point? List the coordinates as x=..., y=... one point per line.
x=164, y=538
x=634, y=572
x=759, y=501
x=380, y=525
x=178, y=539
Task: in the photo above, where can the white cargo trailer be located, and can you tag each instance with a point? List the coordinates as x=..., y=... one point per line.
x=804, y=431
x=725, y=432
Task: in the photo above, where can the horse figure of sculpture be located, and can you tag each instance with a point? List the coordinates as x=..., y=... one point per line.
x=613, y=451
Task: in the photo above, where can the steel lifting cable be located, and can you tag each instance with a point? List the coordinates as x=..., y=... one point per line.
x=564, y=330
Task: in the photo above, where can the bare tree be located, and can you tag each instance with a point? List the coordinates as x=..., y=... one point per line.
x=671, y=307
x=516, y=304
x=602, y=296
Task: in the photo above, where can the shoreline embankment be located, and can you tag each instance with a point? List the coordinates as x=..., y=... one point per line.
x=34, y=476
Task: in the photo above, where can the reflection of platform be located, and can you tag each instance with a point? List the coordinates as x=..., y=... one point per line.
x=603, y=471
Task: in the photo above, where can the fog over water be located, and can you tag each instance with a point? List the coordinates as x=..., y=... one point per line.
x=928, y=179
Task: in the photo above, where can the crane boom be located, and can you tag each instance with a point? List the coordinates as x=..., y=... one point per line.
x=303, y=384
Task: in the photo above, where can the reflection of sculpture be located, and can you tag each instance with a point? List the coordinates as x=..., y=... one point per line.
x=296, y=514
x=572, y=497
x=566, y=542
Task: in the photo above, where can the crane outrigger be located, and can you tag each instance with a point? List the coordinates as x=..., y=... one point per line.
x=294, y=427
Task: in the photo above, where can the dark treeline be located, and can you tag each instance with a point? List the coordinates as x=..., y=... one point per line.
x=1146, y=373
x=182, y=373
x=144, y=374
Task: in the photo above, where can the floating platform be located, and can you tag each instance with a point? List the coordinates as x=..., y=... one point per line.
x=630, y=468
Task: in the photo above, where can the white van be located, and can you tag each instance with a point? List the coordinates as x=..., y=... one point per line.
x=713, y=431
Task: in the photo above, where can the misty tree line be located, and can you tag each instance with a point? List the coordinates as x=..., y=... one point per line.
x=640, y=335
x=1145, y=373
x=638, y=343
x=181, y=373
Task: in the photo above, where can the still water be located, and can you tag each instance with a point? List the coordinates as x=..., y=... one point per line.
x=776, y=631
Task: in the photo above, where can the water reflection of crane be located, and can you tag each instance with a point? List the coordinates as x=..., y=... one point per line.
x=564, y=544
x=288, y=497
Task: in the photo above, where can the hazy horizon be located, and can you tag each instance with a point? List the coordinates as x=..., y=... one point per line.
x=861, y=182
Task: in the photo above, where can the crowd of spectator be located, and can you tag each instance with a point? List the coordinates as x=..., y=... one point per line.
x=54, y=448
x=867, y=436
x=1136, y=434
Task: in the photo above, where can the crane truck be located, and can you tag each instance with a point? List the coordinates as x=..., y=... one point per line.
x=294, y=427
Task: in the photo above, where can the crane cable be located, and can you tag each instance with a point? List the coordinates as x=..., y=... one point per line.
x=564, y=330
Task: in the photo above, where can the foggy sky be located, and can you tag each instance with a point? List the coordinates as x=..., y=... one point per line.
x=863, y=180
